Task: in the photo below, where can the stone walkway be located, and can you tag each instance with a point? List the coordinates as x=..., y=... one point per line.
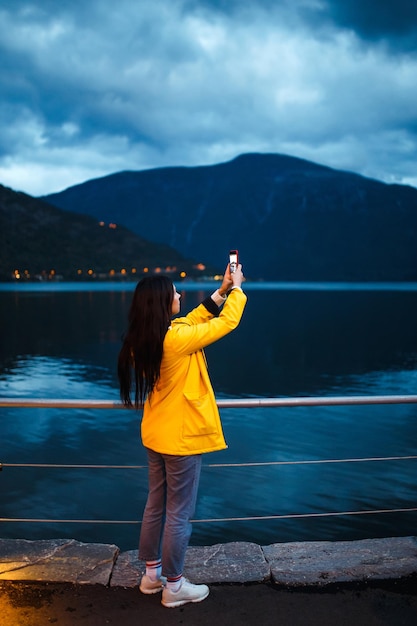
x=298, y=564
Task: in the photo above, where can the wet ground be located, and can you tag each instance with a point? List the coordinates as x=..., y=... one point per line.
x=390, y=603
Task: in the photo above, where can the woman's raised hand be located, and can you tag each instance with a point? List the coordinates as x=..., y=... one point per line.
x=230, y=279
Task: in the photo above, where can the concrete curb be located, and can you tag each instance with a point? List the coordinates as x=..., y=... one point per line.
x=293, y=564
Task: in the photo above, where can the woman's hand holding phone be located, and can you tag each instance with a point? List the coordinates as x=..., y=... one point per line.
x=233, y=275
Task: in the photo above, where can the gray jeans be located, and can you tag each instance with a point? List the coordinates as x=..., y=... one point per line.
x=166, y=527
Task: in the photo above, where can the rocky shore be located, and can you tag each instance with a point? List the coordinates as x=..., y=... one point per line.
x=296, y=564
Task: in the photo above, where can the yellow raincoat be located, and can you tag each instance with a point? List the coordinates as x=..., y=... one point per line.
x=181, y=415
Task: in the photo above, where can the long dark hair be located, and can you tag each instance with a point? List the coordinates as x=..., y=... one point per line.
x=141, y=353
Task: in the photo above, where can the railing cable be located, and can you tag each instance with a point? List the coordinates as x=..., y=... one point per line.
x=214, y=520
x=215, y=465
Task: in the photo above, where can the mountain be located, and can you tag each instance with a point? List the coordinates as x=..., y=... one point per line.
x=39, y=239
x=290, y=218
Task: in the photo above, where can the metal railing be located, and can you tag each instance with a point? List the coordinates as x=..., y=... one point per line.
x=222, y=404
x=229, y=403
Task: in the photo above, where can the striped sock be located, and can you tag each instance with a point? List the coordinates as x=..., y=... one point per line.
x=174, y=582
x=154, y=569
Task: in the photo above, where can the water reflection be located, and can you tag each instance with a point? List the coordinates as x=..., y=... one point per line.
x=302, y=343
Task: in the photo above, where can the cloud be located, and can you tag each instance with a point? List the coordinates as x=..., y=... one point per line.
x=394, y=22
x=93, y=88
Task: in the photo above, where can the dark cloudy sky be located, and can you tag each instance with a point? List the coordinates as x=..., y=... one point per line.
x=91, y=87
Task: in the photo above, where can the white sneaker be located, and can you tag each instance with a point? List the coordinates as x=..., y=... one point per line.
x=186, y=593
x=149, y=586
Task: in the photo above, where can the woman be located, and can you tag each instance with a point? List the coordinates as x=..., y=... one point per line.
x=163, y=361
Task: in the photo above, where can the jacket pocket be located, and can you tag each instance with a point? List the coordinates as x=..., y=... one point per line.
x=199, y=417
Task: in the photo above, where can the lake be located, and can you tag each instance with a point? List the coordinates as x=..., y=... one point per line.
x=62, y=341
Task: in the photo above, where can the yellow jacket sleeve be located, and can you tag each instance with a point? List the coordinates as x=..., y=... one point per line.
x=200, y=328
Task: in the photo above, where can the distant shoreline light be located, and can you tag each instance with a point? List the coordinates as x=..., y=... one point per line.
x=51, y=275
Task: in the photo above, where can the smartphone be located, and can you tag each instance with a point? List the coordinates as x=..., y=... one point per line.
x=233, y=260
